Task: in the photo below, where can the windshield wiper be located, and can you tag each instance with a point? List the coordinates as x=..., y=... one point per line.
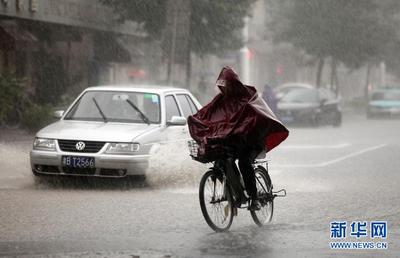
x=143, y=116
x=100, y=111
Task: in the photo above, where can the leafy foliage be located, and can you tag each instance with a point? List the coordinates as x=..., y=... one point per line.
x=149, y=13
x=36, y=116
x=11, y=96
x=349, y=31
x=214, y=25
x=16, y=108
x=51, y=76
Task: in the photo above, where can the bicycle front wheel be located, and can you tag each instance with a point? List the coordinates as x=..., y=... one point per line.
x=215, y=202
x=264, y=192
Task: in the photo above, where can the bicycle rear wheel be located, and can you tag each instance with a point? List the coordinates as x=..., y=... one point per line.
x=264, y=192
x=215, y=202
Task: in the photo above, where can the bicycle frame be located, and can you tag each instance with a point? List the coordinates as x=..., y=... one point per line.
x=232, y=180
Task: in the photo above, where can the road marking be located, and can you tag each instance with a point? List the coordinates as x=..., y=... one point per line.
x=337, y=146
x=357, y=153
x=327, y=163
x=192, y=190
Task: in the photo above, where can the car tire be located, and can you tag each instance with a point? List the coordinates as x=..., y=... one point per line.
x=337, y=120
x=316, y=121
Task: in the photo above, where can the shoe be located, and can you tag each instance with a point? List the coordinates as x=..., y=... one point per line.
x=255, y=205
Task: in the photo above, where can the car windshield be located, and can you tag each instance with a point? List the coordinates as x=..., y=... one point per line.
x=301, y=96
x=386, y=95
x=115, y=106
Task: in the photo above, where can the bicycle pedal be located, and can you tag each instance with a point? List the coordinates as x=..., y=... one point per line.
x=280, y=193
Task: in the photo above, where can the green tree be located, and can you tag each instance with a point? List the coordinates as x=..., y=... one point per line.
x=347, y=31
x=151, y=14
x=215, y=26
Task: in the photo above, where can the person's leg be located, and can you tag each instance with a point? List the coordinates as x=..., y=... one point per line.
x=246, y=159
x=247, y=171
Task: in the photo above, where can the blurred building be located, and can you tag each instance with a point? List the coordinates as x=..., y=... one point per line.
x=69, y=43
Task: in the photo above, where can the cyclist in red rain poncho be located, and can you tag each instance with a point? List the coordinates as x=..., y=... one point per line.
x=237, y=117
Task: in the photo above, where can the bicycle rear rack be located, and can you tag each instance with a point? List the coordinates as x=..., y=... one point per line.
x=280, y=193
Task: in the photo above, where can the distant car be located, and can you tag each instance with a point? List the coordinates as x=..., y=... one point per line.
x=384, y=103
x=310, y=106
x=283, y=89
x=112, y=131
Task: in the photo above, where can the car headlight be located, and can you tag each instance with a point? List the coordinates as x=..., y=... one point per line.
x=44, y=144
x=122, y=148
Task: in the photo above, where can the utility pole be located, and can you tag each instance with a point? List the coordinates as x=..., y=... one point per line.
x=382, y=73
x=171, y=59
x=177, y=37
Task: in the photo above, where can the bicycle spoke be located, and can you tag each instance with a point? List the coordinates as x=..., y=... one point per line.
x=216, y=205
x=263, y=215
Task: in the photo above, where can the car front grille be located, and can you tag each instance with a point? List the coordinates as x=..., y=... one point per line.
x=79, y=171
x=71, y=146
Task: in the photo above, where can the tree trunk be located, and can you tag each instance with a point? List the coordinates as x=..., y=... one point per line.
x=336, y=80
x=171, y=59
x=366, y=89
x=188, y=69
x=320, y=68
x=189, y=49
x=333, y=74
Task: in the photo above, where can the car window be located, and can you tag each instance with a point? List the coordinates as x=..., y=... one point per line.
x=192, y=105
x=115, y=106
x=301, y=96
x=171, y=107
x=187, y=106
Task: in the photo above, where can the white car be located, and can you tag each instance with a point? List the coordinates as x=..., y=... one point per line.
x=112, y=131
x=282, y=90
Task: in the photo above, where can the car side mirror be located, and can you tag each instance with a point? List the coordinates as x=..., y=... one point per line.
x=177, y=120
x=58, y=113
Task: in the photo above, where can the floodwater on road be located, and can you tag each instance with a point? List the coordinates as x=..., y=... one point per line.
x=331, y=174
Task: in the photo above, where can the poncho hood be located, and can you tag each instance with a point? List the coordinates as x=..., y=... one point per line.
x=238, y=117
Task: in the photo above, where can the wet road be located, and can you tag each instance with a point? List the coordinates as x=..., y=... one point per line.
x=349, y=173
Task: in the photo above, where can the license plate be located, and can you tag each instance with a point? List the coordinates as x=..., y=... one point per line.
x=78, y=162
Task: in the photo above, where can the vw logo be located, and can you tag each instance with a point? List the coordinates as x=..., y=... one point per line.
x=80, y=146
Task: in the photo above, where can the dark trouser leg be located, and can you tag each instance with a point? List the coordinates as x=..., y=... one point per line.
x=246, y=168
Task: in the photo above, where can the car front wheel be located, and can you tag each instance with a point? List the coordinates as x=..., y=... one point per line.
x=337, y=120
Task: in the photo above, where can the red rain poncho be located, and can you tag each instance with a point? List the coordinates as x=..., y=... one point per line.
x=236, y=117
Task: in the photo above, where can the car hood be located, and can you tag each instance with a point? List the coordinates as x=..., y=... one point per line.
x=385, y=103
x=296, y=106
x=95, y=131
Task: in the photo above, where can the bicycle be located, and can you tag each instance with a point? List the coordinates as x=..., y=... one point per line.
x=222, y=191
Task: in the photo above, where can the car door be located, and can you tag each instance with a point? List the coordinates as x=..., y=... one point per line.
x=175, y=133
x=329, y=106
x=187, y=108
